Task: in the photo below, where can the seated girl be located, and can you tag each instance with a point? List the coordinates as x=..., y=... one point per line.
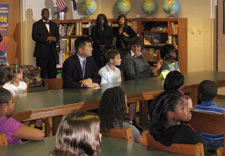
x=14, y=130
x=175, y=81
x=78, y=135
x=112, y=112
x=168, y=113
x=16, y=85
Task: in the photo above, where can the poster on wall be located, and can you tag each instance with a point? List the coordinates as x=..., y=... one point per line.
x=4, y=15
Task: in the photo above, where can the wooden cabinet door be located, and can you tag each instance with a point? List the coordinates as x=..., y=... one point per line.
x=14, y=42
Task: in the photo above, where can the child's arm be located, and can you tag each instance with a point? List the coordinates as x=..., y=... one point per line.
x=26, y=132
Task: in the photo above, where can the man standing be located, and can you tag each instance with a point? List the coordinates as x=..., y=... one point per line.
x=46, y=34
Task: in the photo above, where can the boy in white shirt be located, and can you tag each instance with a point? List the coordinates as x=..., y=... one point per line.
x=110, y=73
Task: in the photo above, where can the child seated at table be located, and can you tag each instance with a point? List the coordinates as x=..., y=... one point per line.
x=16, y=85
x=112, y=111
x=14, y=130
x=78, y=135
x=175, y=81
x=169, y=57
x=168, y=113
x=110, y=73
x=207, y=93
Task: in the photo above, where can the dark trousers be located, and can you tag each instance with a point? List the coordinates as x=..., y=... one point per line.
x=48, y=67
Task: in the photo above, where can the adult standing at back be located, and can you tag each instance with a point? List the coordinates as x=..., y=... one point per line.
x=124, y=33
x=46, y=34
x=102, y=36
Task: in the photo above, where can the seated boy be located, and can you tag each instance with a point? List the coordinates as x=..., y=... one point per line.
x=207, y=93
x=110, y=73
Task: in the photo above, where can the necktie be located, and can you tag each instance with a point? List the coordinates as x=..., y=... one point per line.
x=83, y=67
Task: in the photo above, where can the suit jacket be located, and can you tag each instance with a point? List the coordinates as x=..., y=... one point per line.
x=72, y=72
x=43, y=48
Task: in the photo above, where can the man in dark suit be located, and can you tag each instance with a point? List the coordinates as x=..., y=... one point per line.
x=46, y=34
x=80, y=70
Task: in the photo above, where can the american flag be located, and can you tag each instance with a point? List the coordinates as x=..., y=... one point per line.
x=61, y=4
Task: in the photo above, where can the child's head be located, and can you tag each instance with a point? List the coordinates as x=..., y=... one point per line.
x=112, y=107
x=136, y=45
x=15, y=73
x=6, y=103
x=78, y=134
x=167, y=52
x=112, y=56
x=174, y=81
x=207, y=90
x=168, y=109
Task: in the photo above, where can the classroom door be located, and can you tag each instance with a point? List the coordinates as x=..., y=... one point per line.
x=221, y=35
x=14, y=42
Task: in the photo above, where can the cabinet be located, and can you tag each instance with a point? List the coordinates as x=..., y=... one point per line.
x=155, y=32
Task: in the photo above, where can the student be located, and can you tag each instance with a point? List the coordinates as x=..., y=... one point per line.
x=123, y=33
x=102, y=37
x=110, y=73
x=134, y=67
x=169, y=56
x=168, y=112
x=112, y=112
x=175, y=81
x=16, y=85
x=207, y=93
x=78, y=135
x=14, y=130
x=80, y=70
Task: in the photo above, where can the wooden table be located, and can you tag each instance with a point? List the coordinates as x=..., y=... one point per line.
x=59, y=102
x=110, y=147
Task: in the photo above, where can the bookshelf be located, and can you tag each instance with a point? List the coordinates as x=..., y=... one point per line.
x=156, y=32
x=160, y=31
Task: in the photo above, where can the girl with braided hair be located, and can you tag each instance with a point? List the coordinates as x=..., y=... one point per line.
x=168, y=113
x=78, y=135
x=14, y=130
x=112, y=112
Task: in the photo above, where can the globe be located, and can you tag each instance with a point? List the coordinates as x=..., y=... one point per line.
x=123, y=6
x=88, y=7
x=171, y=6
x=149, y=6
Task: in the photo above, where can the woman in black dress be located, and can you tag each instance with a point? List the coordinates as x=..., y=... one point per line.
x=102, y=36
x=124, y=33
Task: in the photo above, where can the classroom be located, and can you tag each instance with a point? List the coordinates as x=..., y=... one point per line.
x=115, y=77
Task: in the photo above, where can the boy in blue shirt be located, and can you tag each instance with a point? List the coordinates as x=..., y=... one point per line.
x=110, y=73
x=207, y=93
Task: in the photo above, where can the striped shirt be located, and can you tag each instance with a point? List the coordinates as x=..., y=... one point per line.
x=210, y=107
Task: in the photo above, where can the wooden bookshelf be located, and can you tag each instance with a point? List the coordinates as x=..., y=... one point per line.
x=165, y=30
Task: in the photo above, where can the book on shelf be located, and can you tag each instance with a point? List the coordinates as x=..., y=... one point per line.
x=70, y=29
x=64, y=45
x=174, y=27
x=72, y=44
x=63, y=29
x=173, y=40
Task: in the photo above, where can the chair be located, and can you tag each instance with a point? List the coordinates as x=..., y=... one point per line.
x=56, y=83
x=186, y=149
x=3, y=140
x=208, y=122
x=126, y=134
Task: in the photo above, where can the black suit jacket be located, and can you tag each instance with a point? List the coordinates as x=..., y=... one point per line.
x=43, y=48
x=72, y=72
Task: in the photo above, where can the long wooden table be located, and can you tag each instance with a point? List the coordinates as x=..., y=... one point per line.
x=50, y=103
x=110, y=147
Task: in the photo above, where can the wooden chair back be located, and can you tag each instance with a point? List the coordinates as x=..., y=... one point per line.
x=3, y=140
x=186, y=149
x=56, y=83
x=126, y=134
x=208, y=122
x=221, y=152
